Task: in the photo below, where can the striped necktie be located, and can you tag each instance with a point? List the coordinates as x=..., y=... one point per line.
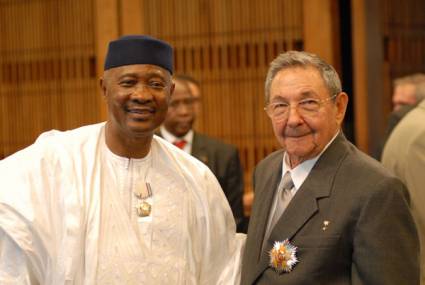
x=283, y=197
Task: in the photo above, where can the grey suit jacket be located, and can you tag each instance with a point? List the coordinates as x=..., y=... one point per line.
x=370, y=239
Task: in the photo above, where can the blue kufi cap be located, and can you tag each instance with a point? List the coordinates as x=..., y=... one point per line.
x=139, y=49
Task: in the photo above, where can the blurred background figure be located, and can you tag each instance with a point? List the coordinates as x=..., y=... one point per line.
x=221, y=158
x=405, y=93
x=195, y=89
x=404, y=155
x=406, y=96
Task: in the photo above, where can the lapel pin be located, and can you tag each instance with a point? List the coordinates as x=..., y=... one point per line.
x=325, y=225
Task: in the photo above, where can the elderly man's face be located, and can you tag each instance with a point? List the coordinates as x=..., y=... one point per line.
x=181, y=111
x=305, y=134
x=137, y=98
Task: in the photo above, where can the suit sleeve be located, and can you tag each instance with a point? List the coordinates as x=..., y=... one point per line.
x=222, y=247
x=385, y=242
x=415, y=181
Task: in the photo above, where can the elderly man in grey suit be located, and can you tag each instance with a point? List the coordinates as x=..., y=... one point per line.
x=324, y=212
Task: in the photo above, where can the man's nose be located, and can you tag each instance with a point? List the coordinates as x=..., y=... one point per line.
x=294, y=116
x=142, y=91
x=182, y=108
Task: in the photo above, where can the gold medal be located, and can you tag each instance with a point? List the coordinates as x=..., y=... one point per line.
x=144, y=209
x=143, y=191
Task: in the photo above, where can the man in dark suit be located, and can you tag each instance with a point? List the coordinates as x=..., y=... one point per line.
x=324, y=212
x=221, y=158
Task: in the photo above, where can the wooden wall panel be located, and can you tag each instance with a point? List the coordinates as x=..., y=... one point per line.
x=107, y=27
x=403, y=25
x=48, y=69
x=388, y=42
x=323, y=14
x=360, y=73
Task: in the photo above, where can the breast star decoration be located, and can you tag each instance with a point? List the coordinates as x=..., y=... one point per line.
x=283, y=256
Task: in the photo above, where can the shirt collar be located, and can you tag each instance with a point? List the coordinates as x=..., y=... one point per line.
x=172, y=138
x=301, y=171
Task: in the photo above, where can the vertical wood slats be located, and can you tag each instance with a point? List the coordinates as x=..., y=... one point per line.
x=403, y=27
x=404, y=34
x=47, y=69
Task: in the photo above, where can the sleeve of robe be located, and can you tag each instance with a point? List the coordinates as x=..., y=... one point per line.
x=221, y=262
x=14, y=265
x=28, y=218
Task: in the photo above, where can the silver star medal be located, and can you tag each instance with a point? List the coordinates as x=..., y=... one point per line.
x=283, y=256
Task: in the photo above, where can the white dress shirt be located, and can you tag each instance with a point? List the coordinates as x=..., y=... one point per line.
x=169, y=137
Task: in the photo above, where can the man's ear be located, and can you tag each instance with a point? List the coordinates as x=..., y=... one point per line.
x=102, y=84
x=341, y=102
x=172, y=87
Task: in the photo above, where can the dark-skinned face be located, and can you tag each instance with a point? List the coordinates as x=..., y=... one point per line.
x=137, y=98
x=181, y=111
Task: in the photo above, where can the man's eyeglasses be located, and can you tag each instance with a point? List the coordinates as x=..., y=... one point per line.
x=306, y=107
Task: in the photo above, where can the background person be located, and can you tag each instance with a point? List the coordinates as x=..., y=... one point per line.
x=406, y=97
x=221, y=158
x=195, y=90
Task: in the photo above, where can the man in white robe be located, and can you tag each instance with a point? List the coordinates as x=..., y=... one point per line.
x=70, y=204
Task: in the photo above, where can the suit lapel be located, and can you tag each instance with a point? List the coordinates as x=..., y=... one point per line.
x=304, y=204
x=263, y=209
x=264, y=194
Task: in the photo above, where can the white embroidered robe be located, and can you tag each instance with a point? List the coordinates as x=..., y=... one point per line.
x=64, y=218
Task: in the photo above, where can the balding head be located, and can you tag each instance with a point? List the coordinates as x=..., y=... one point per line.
x=406, y=91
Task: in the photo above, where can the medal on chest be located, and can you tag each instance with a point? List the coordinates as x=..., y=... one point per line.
x=142, y=192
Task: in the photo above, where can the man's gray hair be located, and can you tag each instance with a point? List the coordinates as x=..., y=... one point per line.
x=416, y=79
x=303, y=59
